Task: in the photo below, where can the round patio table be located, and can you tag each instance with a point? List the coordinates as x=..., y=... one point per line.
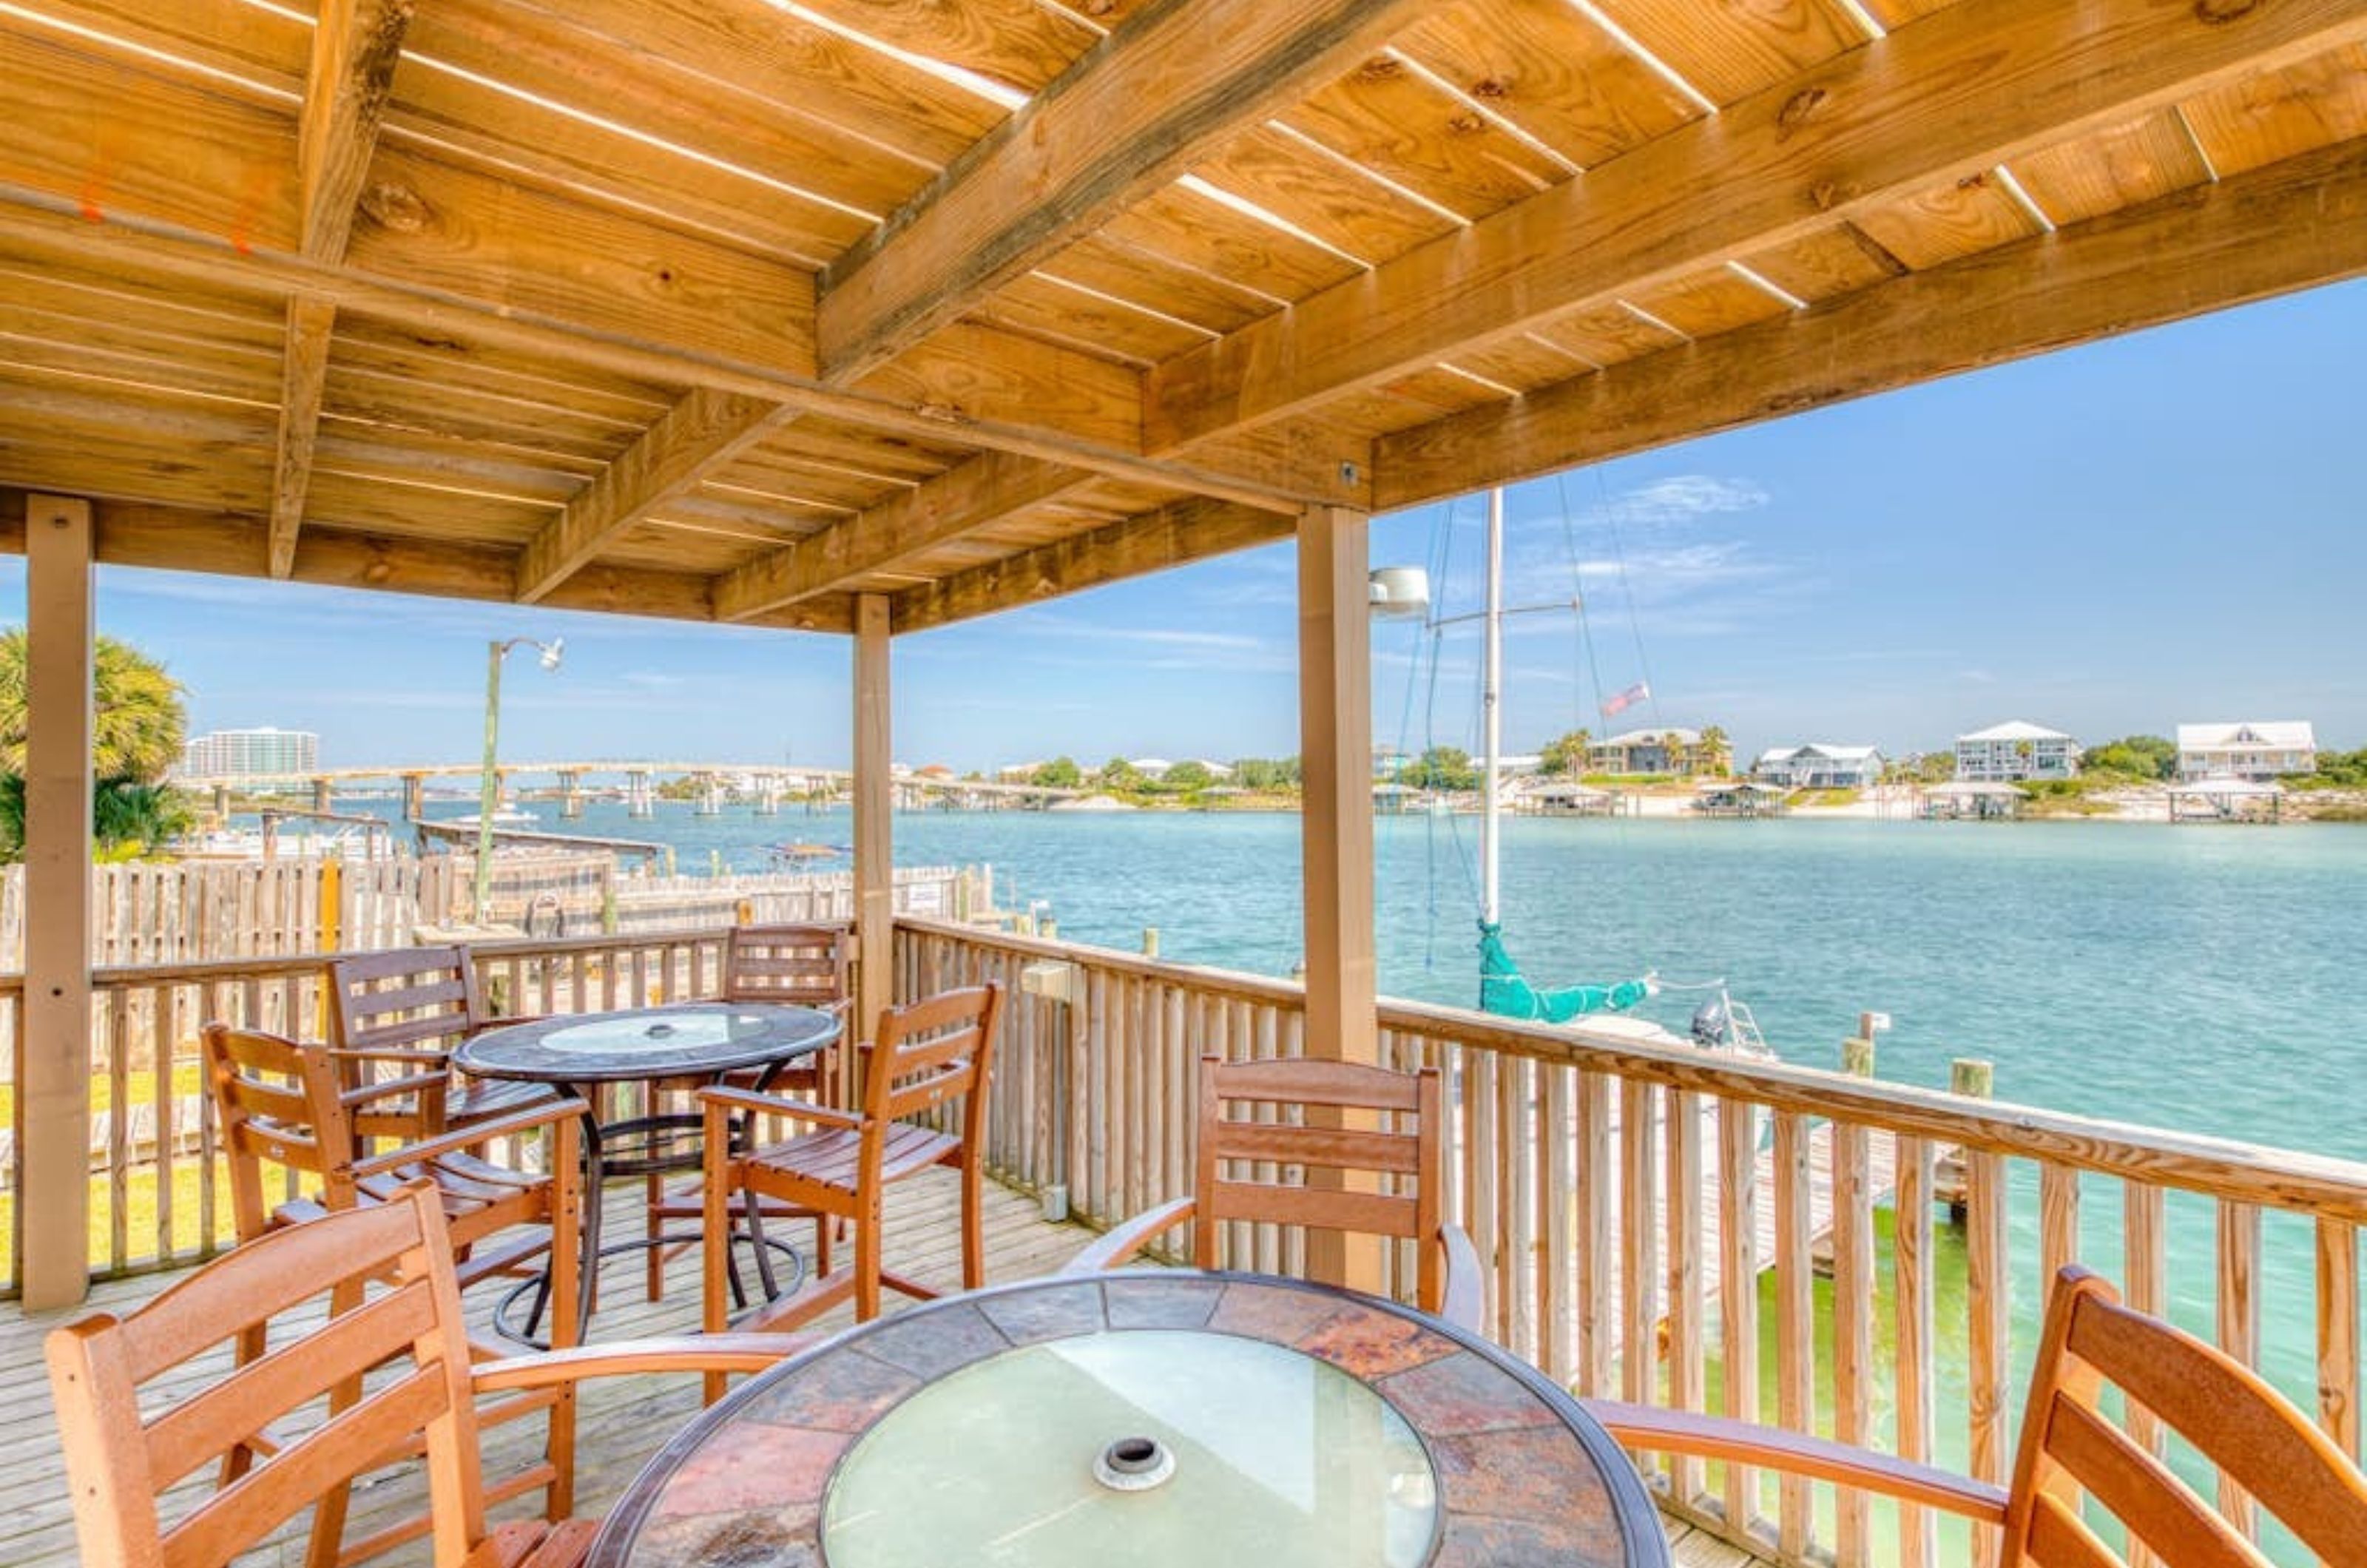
x=676, y=1041
x=1152, y=1416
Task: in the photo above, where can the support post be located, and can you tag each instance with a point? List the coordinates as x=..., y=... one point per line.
x=53, y=1107
x=875, y=861
x=1335, y=743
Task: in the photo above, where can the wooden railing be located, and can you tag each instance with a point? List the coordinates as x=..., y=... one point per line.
x=1615, y=1188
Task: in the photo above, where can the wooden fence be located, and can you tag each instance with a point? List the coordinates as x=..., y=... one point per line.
x=195, y=911
x=1615, y=1192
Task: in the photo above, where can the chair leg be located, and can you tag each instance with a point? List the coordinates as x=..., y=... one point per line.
x=973, y=1222
x=654, y=1268
x=867, y=1239
x=715, y=1260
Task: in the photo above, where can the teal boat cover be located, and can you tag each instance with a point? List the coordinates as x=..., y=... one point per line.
x=1504, y=992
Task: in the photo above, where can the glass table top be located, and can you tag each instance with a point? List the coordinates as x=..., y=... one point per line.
x=1275, y=1455
x=681, y=1031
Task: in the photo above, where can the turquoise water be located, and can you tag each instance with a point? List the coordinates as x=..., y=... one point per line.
x=2195, y=978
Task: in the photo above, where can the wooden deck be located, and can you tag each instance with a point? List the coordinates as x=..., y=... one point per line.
x=622, y=1421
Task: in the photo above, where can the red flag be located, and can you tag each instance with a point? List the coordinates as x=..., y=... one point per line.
x=1627, y=699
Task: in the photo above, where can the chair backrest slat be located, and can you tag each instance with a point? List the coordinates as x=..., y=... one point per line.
x=2058, y=1540
x=2252, y=1434
x=931, y=1051
x=1373, y=1213
x=189, y=1434
x=800, y=964
x=277, y=1104
x=1352, y=1147
x=118, y=1461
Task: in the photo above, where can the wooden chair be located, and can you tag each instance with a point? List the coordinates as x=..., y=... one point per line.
x=2238, y=1422
x=394, y=1019
x=389, y=1265
x=926, y=1055
x=1232, y=1144
x=277, y=1104
x=795, y=965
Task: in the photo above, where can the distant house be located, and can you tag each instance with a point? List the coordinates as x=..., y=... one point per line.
x=1646, y=751
x=1017, y=772
x=2261, y=748
x=1817, y=765
x=2015, y=751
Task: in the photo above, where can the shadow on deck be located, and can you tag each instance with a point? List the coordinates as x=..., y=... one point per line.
x=622, y=1421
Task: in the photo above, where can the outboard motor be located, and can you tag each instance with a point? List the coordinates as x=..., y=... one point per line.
x=1713, y=1024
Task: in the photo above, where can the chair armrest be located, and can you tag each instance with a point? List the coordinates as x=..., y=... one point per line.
x=628, y=1357
x=1118, y=1244
x=390, y=1089
x=482, y=1024
x=774, y=1105
x=474, y=1135
x=1465, y=1299
x=1797, y=1453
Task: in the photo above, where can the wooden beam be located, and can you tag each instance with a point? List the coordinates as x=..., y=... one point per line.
x=303, y=379
x=1001, y=418
x=53, y=1112
x=988, y=487
x=705, y=431
x=2286, y=225
x=1130, y=115
x=356, y=46
x=1335, y=748
x=875, y=815
x=355, y=49
x=1951, y=94
x=1170, y=537
x=223, y=544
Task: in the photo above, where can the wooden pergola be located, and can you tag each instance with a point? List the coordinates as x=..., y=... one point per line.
x=866, y=316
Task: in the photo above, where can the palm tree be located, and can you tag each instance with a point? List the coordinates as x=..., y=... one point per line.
x=1716, y=753
x=137, y=724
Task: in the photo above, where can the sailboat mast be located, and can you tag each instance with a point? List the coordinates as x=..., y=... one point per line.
x=1491, y=708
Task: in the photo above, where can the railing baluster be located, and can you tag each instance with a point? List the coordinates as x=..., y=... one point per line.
x=2145, y=1287
x=1853, y=1328
x=1595, y=1175
x=2240, y=1329
x=1912, y=1291
x=1639, y=1263
x=1738, y=1293
x=119, y=1129
x=2337, y=1334
x=1557, y=1273
x=1796, y=1361
x=1688, y=1381
x=1988, y=1293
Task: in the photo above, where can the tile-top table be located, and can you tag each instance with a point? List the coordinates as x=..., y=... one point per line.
x=1153, y=1416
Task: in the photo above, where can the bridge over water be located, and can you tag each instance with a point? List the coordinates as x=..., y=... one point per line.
x=764, y=786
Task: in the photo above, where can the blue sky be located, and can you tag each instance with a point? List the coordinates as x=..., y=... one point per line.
x=2171, y=525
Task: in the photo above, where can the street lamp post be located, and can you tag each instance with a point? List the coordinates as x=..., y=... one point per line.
x=489, y=792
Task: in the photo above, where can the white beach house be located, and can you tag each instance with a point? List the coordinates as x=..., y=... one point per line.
x=2014, y=750
x=1659, y=750
x=1819, y=766
x=2259, y=749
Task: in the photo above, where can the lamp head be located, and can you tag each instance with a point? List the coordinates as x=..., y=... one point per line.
x=1399, y=593
x=550, y=651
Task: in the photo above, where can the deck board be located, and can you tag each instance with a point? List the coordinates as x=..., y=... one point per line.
x=621, y=1421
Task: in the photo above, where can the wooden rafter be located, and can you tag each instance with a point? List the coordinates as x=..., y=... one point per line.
x=1130, y=115
x=2179, y=257
x=355, y=48
x=1170, y=536
x=1007, y=419
x=989, y=486
x=177, y=538
x=1952, y=95
x=703, y=432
